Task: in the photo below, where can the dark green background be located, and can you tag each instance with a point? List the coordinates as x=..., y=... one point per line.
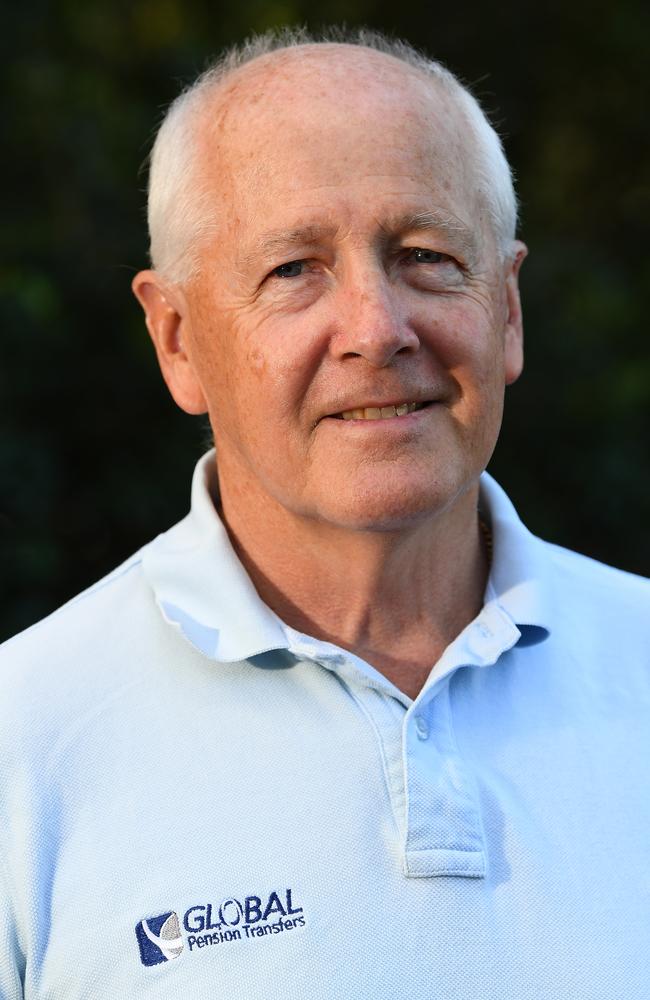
x=94, y=457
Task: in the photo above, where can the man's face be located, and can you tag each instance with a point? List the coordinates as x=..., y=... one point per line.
x=352, y=275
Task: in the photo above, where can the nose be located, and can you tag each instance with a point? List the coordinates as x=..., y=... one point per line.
x=370, y=321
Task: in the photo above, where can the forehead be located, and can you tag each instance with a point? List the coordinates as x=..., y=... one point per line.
x=289, y=127
x=320, y=71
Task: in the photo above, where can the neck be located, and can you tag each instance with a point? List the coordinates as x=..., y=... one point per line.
x=396, y=599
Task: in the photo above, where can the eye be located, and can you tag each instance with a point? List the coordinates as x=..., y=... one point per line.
x=293, y=269
x=418, y=255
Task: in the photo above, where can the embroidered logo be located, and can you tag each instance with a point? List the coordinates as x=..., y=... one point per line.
x=204, y=924
x=159, y=938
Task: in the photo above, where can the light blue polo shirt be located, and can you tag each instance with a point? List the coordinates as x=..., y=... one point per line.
x=198, y=801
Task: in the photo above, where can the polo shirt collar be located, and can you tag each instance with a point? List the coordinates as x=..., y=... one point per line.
x=202, y=588
x=520, y=582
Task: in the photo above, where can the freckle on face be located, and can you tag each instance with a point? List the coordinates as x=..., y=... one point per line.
x=257, y=361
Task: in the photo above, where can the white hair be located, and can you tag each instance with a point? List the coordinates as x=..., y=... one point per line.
x=181, y=215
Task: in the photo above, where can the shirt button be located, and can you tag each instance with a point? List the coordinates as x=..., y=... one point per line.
x=421, y=727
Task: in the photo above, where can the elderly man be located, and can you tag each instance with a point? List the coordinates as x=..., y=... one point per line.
x=349, y=729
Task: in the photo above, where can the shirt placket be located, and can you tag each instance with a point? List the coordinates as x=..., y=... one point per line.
x=443, y=829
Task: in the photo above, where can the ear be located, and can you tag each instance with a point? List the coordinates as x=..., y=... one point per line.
x=167, y=320
x=514, y=329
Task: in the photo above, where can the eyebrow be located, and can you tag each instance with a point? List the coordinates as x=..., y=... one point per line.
x=458, y=233
x=283, y=240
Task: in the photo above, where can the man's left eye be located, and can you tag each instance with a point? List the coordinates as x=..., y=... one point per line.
x=421, y=256
x=293, y=269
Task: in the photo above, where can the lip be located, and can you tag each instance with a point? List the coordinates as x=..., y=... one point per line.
x=422, y=403
x=385, y=424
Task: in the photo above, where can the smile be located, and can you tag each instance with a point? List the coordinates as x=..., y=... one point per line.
x=380, y=412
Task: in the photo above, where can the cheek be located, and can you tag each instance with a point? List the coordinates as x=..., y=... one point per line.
x=256, y=386
x=468, y=346
x=464, y=335
x=283, y=357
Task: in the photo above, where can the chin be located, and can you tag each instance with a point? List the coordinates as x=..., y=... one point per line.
x=385, y=510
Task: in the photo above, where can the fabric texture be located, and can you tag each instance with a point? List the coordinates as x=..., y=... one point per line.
x=196, y=799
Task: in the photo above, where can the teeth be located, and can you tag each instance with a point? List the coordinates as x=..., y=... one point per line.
x=381, y=413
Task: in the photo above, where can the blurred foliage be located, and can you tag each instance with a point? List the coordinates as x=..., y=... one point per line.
x=94, y=458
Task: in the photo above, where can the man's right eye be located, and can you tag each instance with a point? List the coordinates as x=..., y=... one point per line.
x=293, y=269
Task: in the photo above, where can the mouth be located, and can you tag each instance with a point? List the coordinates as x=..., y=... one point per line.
x=380, y=412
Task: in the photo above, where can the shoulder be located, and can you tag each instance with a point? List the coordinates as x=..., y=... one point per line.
x=53, y=671
x=79, y=617
x=597, y=581
x=607, y=610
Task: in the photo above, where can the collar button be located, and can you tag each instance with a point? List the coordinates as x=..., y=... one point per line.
x=421, y=727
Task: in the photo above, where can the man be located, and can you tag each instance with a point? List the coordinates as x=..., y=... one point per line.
x=348, y=730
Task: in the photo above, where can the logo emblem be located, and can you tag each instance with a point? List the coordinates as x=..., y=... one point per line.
x=159, y=938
